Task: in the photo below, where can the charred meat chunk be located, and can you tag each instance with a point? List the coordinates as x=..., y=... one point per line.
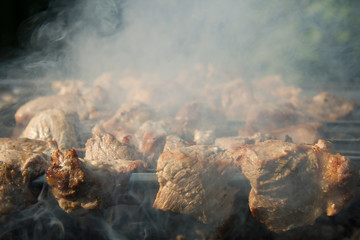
x=80, y=184
x=194, y=180
x=292, y=185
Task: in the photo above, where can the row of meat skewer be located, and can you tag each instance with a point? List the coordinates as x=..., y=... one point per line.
x=89, y=139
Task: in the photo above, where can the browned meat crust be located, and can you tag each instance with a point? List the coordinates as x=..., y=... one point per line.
x=233, y=143
x=292, y=185
x=52, y=124
x=21, y=161
x=68, y=103
x=306, y=133
x=326, y=107
x=107, y=147
x=195, y=181
x=81, y=185
x=28, y=145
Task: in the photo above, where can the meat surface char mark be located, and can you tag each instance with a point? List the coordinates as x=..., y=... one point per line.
x=97, y=181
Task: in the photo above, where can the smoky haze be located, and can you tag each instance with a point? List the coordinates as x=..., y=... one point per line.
x=167, y=36
x=85, y=38
x=303, y=41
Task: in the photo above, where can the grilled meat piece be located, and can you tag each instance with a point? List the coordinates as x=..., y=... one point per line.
x=68, y=103
x=107, y=148
x=21, y=161
x=233, y=143
x=306, y=133
x=198, y=115
x=128, y=118
x=194, y=180
x=93, y=184
x=52, y=124
x=326, y=107
x=150, y=141
x=237, y=98
x=28, y=145
x=292, y=185
x=173, y=142
x=266, y=117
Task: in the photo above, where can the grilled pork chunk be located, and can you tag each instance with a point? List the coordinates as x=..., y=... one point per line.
x=150, y=138
x=68, y=103
x=107, y=148
x=237, y=98
x=28, y=145
x=21, y=161
x=128, y=119
x=88, y=184
x=194, y=180
x=233, y=143
x=98, y=180
x=305, y=133
x=292, y=185
x=326, y=107
x=52, y=124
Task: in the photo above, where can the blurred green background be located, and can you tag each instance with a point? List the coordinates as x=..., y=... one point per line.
x=324, y=45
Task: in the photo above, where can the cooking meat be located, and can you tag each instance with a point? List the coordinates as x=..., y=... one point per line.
x=68, y=103
x=89, y=184
x=21, y=161
x=52, y=124
x=108, y=148
x=173, y=142
x=28, y=145
x=197, y=117
x=306, y=133
x=150, y=141
x=233, y=143
x=75, y=87
x=200, y=116
x=326, y=107
x=273, y=89
x=128, y=118
x=237, y=98
x=292, y=185
x=194, y=180
x=165, y=97
x=268, y=116
x=108, y=92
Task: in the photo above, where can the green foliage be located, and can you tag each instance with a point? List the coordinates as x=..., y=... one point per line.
x=306, y=40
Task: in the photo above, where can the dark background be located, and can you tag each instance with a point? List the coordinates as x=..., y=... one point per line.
x=12, y=14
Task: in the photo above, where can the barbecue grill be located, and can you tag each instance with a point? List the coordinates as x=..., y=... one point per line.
x=136, y=219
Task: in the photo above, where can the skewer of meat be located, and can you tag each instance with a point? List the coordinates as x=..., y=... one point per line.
x=292, y=185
